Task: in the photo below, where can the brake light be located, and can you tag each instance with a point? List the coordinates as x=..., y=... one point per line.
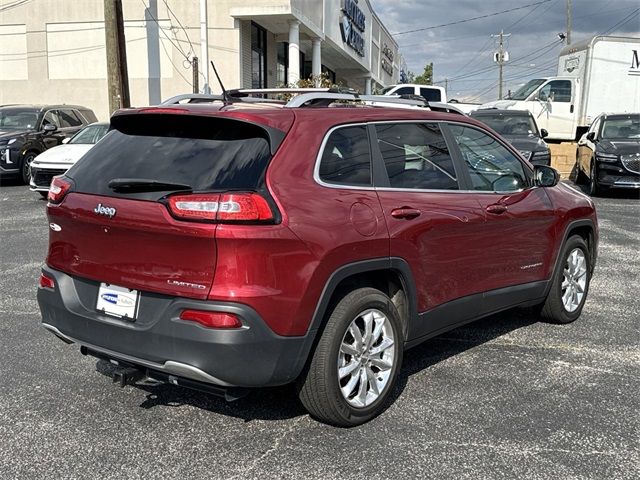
x=58, y=189
x=244, y=207
x=211, y=319
x=229, y=207
x=46, y=282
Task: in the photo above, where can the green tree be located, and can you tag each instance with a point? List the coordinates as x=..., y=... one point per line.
x=426, y=78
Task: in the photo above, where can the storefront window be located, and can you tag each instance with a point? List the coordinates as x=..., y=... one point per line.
x=258, y=57
x=283, y=63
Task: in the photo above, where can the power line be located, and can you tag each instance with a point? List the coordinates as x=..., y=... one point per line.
x=181, y=26
x=624, y=21
x=470, y=19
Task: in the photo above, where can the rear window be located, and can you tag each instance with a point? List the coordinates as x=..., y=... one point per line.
x=205, y=153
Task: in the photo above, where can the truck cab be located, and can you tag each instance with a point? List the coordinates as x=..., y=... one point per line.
x=431, y=93
x=552, y=102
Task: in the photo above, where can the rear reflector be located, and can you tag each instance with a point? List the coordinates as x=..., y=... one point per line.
x=211, y=319
x=230, y=207
x=58, y=189
x=46, y=282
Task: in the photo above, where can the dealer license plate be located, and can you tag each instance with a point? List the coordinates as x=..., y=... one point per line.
x=117, y=301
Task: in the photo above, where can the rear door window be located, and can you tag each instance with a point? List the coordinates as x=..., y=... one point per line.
x=346, y=159
x=68, y=118
x=208, y=154
x=416, y=156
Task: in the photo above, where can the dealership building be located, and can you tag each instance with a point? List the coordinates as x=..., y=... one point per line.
x=54, y=52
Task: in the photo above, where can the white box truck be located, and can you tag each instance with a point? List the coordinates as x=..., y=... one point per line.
x=598, y=75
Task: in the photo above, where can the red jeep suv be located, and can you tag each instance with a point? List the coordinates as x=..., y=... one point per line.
x=231, y=245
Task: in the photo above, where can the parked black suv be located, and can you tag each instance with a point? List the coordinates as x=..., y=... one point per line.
x=519, y=128
x=27, y=130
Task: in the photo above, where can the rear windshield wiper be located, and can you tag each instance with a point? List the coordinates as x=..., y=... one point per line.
x=130, y=185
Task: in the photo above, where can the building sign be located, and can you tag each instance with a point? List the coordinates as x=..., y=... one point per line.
x=386, y=62
x=352, y=26
x=386, y=66
x=387, y=52
x=635, y=63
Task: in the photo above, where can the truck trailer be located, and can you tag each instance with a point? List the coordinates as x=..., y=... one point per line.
x=598, y=75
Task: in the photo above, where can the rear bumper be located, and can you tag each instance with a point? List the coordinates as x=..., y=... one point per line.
x=251, y=356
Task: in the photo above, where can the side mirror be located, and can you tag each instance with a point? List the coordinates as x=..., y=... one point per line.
x=66, y=140
x=50, y=128
x=543, y=133
x=545, y=176
x=591, y=136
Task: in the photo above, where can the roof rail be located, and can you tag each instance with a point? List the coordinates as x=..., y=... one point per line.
x=316, y=99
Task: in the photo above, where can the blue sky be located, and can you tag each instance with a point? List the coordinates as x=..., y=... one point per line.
x=463, y=52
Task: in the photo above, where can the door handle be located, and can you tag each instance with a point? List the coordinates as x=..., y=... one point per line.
x=497, y=208
x=405, y=212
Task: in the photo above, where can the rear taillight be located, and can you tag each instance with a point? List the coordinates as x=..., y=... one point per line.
x=211, y=319
x=229, y=207
x=58, y=189
x=46, y=282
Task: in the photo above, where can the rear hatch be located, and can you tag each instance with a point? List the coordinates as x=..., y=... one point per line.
x=118, y=223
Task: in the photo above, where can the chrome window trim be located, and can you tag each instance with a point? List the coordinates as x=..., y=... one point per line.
x=319, y=181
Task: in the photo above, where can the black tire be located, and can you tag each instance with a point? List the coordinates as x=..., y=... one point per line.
x=553, y=309
x=25, y=169
x=594, y=188
x=319, y=385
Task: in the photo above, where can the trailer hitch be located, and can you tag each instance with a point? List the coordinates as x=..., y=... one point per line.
x=127, y=376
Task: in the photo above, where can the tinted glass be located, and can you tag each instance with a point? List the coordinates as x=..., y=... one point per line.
x=491, y=166
x=90, y=135
x=431, y=94
x=621, y=128
x=509, y=124
x=206, y=154
x=345, y=158
x=404, y=91
x=51, y=118
x=68, y=118
x=416, y=156
x=17, y=119
x=556, y=91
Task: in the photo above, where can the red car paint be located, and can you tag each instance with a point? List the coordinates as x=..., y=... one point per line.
x=461, y=243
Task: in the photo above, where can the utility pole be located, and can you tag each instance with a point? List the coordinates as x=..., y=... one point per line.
x=204, y=45
x=446, y=86
x=117, y=76
x=568, y=36
x=500, y=57
x=196, y=74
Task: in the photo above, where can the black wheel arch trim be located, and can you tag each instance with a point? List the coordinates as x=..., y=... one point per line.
x=594, y=247
x=397, y=264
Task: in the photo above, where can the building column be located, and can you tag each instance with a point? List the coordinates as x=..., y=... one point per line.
x=367, y=85
x=316, y=61
x=293, y=74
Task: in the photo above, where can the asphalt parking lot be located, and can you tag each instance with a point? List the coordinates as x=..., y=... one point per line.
x=506, y=397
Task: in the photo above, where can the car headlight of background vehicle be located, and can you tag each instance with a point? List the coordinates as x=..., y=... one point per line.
x=606, y=157
x=526, y=154
x=541, y=155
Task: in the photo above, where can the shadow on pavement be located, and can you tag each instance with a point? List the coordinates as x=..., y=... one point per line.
x=279, y=403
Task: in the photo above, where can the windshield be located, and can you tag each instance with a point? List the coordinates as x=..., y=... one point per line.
x=621, y=128
x=523, y=92
x=90, y=134
x=510, y=124
x=18, y=119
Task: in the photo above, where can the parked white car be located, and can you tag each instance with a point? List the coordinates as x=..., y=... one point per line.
x=58, y=160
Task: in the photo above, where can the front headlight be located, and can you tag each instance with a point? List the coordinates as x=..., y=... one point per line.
x=606, y=157
x=526, y=154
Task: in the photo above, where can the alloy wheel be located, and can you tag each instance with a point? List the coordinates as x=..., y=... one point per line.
x=366, y=358
x=574, y=280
